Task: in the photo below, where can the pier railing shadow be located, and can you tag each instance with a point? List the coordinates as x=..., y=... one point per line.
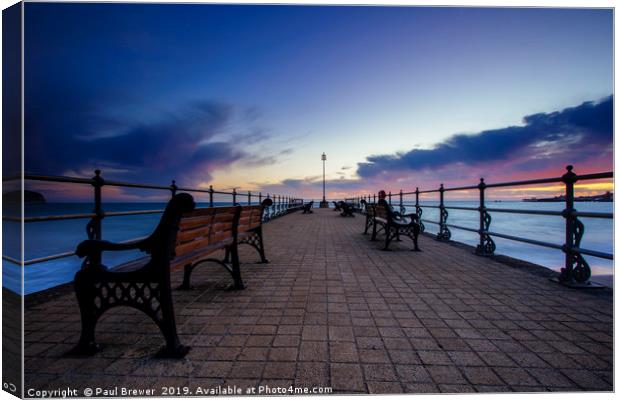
x=576, y=271
x=282, y=204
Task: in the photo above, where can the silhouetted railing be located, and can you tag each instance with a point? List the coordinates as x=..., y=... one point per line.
x=281, y=205
x=576, y=270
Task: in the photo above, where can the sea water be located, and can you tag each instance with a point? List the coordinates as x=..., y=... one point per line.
x=52, y=237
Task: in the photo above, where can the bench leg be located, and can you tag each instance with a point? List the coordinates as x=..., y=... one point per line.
x=236, y=270
x=259, y=245
x=388, y=237
x=416, y=232
x=168, y=327
x=187, y=273
x=373, y=237
x=261, y=249
x=85, y=293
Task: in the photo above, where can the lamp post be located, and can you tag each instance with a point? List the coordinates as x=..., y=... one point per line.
x=324, y=203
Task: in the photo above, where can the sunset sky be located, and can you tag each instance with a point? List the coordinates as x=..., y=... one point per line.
x=250, y=96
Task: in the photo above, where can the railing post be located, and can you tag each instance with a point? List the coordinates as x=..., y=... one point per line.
x=374, y=198
x=576, y=270
x=234, y=196
x=260, y=197
x=418, y=209
x=249, y=198
x=210, y=195
x=93, y=228
x=390, y=198
x=486, y=246
x=401, y=198
x=173, y=188
x=444, y=233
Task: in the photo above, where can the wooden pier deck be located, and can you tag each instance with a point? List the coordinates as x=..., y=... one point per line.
x=333, y=310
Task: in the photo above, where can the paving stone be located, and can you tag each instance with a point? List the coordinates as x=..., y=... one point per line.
x=404, y=357
x=347, y=377
x=233, y=341
x=373, y=356
x=384, y=387
x=434, y=357
x=311, y=374
x=481, y=376
x=283, y=354
x=413, y=373
x=495, y=358
x=247, y=369
x=343, y=352
x=455, y=388
x=468, y=358
x=420, y=388
x=289, y=329
x=279, y=370
x=314, y=332
x=530, y=360
x=313, y=351
x=551, y=378
x=253, y=354
x=397, y=343
x=445, y=374
x=379, y=372
x=213, y=369
x=491, y=388
x=259, y=341
x=515, y=376
x=286, y=341
x=372, y=343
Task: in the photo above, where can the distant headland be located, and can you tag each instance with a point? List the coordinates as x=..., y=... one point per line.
x=605, y=197
x=29, y=197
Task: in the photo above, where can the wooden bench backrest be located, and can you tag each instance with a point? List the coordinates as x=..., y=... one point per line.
x=381, y=211
x=251, y=217
x=370, y=209
x=205, y=228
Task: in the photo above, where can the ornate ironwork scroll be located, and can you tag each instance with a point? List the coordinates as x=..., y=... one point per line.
x=486, y=247
x=576, y=268
x=444, y=233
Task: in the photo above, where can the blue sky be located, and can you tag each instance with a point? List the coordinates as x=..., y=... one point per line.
x=250, y=96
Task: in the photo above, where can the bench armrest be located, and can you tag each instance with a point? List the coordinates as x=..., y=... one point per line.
x=96, y=247
x=413, y=217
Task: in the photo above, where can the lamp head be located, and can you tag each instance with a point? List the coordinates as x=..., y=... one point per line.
x=323, y=157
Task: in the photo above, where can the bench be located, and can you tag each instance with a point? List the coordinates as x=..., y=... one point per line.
x=393, y=224
x=337, y=206
x=369, y=212
x=308, y=208
x=250, y=228
x=184, y=238
x=143, y=284
x=295, y=205
x=347, y=209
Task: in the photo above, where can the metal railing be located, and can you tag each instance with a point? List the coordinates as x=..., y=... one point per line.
x=576, y=269
x=281, y=205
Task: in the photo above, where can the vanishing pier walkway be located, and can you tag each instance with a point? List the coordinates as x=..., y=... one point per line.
x=333, y=310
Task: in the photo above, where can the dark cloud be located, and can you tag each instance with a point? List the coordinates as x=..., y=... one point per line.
x=75, y=135
x=587, y=127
